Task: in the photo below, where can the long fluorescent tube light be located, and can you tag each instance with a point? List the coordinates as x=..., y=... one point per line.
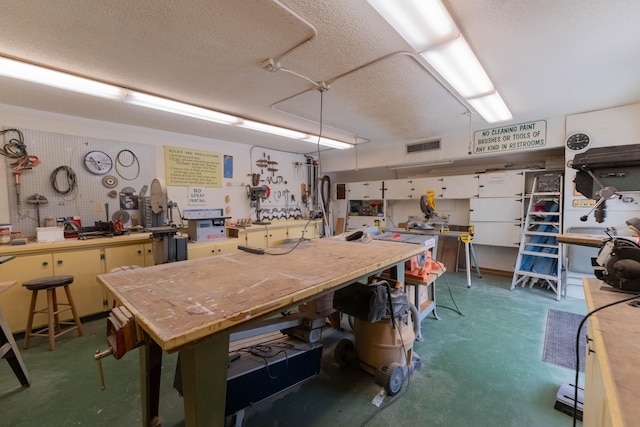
x=40, y=75
x=427, y=26
x=457, y=64
x=44, y=76
x=175, y=107
x=327, y=142
x=491, y=107
x=275, y=130
x=422, y=23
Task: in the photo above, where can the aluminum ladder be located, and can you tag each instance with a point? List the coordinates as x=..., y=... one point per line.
x=540, y=254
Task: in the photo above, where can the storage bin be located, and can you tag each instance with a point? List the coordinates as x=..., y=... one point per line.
x=50, y=234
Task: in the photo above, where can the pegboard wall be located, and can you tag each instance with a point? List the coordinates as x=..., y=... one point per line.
x=132, y=167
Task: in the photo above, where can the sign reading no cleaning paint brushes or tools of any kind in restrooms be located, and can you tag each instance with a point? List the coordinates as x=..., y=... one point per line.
x=523, y=136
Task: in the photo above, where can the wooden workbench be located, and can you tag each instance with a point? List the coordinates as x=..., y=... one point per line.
x=192, y=306
x=612, y=381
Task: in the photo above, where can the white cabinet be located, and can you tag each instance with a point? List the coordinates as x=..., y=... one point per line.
x=496, y=209
x=398, y=189
x=460, y=186
x=364, y=190
x=421, y=185
x=405, y=189
x=501, y=184
x=497, y=221
x=497, y=233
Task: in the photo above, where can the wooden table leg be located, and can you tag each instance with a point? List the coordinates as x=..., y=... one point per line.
x=204, y=381
x=150, y=371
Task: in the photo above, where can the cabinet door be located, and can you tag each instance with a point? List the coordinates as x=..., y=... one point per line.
x=15, y=300
x=257, y=238
x=460, y=187
x=148, y=255
x=227, y=246
x=365, y=190
x=201, y=250
x=398, y=189
x=125, y=255
x=421, y=185
x=496, y=209
x=299, y=231
x=497, y=233
x=276, y=236
x=84, y=266
x=501, y=184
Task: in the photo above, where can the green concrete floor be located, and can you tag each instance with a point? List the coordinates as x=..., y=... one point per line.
x=483, y=369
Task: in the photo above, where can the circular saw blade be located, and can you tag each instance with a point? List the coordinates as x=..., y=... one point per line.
x=122, y=216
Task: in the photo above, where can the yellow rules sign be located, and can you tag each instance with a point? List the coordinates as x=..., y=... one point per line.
x=184, y=167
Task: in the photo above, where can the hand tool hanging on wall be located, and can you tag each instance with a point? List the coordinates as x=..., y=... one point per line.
x=24, y=163
x=37, y=200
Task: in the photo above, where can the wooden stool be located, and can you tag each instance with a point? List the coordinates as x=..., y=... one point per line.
x=53, y=328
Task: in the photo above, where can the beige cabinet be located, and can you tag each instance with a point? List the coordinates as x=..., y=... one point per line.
x=84, y=265
x=274, y=234
x=205, y=249
x=596, y=408
x=118, y=256
x=15, y=300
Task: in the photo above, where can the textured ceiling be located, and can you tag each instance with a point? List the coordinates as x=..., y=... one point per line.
x=547, y=58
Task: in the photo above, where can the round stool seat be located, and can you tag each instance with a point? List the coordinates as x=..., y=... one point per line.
x=43, y=283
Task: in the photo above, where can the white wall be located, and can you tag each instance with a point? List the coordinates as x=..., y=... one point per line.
x=607, y=128
x=453, y=146
x=244, y=158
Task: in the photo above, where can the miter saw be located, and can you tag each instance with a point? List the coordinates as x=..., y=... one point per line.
x=428, y=204
x=618, y=262
x=604, y=173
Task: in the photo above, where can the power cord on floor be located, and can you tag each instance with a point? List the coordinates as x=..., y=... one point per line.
x=575, y=385
x=446, y=279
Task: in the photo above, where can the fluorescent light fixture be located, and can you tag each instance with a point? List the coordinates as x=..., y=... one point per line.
x=457, y=64
x=427, y=26
x=328, y=142
x=275, y=130
x=422, y=23
x=491, y=107
x=175, y=107
x=36, y=74
x=44, y=76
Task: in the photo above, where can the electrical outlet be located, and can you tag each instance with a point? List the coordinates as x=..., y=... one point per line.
x=99, y=207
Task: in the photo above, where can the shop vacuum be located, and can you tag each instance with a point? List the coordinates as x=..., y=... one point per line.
x=385, y=326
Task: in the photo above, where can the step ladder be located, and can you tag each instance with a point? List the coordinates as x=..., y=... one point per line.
x=540, y=254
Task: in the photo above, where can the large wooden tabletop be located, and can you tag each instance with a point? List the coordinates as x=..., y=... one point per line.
x=178, y=304
x=616, y=328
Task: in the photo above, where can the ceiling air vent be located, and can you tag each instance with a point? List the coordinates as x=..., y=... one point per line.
x=423, y=146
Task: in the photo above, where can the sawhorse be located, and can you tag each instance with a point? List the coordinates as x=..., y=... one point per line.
x=9, y=349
